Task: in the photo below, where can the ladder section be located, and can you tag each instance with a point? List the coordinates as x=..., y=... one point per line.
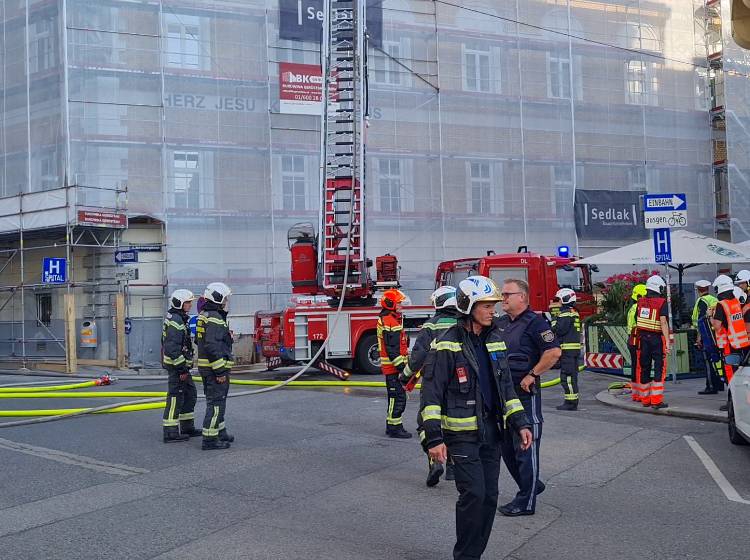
x=342, y=223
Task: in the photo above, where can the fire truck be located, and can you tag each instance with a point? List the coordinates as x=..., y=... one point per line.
x=334, y=297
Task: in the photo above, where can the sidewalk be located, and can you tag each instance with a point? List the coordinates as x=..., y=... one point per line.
x=682, y=397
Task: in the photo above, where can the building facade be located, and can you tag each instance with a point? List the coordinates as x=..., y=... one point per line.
x=485, y=118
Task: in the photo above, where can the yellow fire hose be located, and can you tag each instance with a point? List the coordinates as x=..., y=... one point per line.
x=49, y=387
x=68, y=411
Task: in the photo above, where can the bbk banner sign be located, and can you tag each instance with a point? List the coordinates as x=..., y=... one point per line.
x=302, y=20
x=301, y=89
x=609, y=215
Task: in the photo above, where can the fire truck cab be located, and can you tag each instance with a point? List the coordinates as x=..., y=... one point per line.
x=544, y=274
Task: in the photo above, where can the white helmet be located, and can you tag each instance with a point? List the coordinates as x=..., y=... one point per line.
x=655, y=283
x=740, y=294
x=217, y=292
x=444, y=296
x=474, y=289
x=180, y=298
x=723, y=283
x=742, y=276
x=566, y=296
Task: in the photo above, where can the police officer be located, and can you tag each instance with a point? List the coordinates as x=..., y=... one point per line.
x=729, y=324
x=636, y=391
x=652, y=334
x=394, y=348
x=567, y=329
x=215, y=361
x=444, y=301
x=177, y=359
x=532, y=350
x=467, y=402
x=703, y=303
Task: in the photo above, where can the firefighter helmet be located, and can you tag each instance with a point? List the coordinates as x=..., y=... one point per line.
x=180, y=297
x=217, y=292
x=639, y=291
x=566, y=296
x=391, y=298
x=702, y=284
x=723, y=284
x=444, y=296
x=742, y=276
x=655, y=283
x=475, y=289
x=740, y=294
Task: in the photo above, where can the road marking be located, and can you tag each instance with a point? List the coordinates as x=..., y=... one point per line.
x=716, y=474
x=72, y=459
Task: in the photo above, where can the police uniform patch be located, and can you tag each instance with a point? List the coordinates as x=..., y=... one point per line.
x=548, y=336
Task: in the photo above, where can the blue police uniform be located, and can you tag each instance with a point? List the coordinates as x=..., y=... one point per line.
x=526, y=337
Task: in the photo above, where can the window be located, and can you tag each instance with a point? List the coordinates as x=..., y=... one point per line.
x=387, y=69
x=558, y=76
x=642, y=83
x=562, y=190
x=389, y=185
x=293, y=183
x=702, y=90
x=637, y=179
x=44, y=309
x=41, y=47
x=642, y=37
x=481, y=196
x=476, y=69
x=187, y=180
x=184, y=41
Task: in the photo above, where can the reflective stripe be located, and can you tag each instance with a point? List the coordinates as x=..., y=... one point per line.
x=570, y=346
x=216, y=364
x=212, y=430
x=390, y=419
x=571, y=396
x=216, y=321
x=222, y=426
x=171, y=419
x=174, y=362
x=496, y=346
x=394, y=328
x=431, y=412
x=437, y=327
x=446, y=345
x=400, y=360
x=174, y=324
x=459, y=424
x=187, y=416
x=736, y=333
x=511, y=407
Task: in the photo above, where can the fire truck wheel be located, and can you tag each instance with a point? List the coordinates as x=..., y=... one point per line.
x=368, y=357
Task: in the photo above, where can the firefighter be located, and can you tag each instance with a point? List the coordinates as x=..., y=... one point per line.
x=444, y=301
x=652, y=338
x=567, y=329
x=639, y=290
x=468, y=400
x=532, y=350
x=215, y=361
x=177, y=359
x=703, y=303
x=729, y=325
x=742, y=279
x=393, y=347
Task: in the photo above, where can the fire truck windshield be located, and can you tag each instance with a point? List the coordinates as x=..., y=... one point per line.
x=571, y=278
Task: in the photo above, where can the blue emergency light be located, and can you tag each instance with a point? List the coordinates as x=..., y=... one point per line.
x=563, y=251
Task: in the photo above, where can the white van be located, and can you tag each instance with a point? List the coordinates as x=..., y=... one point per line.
x=738, y=406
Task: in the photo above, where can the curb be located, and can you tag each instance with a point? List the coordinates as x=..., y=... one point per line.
x=605, y=397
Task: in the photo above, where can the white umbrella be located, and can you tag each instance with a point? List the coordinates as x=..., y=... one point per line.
x=687, y=248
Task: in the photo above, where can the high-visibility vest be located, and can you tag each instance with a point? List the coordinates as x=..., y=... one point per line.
x=392, y=323
x=736, y=332
x=710, y=302
x=648, y=314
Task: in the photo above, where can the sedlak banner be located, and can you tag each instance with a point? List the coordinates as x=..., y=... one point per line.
x=609, y=214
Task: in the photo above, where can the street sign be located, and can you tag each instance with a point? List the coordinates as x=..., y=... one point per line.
x=664, y=211
x=662, y=246
x=123, y=257
x=54, y=270
x=128, y=325
x=128, y=273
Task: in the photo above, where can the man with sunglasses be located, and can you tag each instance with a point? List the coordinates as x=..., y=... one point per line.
x=532, y=350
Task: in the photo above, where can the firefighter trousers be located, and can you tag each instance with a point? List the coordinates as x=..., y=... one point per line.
x=569, y=374
x=181, y=398
x=396, y=401
x=522, y=465
x=713, y=373
x=216, y=403
x=477, y=468
x=651, y=353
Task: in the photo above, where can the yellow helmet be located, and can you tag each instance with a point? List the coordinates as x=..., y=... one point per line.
x=639, y=291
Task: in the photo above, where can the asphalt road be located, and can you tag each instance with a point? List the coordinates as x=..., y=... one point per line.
x=311, y=476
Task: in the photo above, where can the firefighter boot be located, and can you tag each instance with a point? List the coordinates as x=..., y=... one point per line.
x=434, y=471
x=187, y=428
x=172, y=434
x=568, y=405
x=210, y=443
x=397, y=432
x=225, y=436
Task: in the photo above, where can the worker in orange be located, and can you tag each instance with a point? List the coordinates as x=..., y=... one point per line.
x=729, y=324
x=653, y=340
x=394, y=354
x=639, y=290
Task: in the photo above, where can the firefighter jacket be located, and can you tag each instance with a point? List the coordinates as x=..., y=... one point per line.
x=702, y=305
x=648, y=314
x=631, y=324
x=214, y=340
x=567, y=329
x=392, y=343
x=176, y=342
x=432, y=329
x=735, y=332
x=452, y=403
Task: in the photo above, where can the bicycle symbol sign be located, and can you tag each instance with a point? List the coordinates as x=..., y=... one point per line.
x=669, y=219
